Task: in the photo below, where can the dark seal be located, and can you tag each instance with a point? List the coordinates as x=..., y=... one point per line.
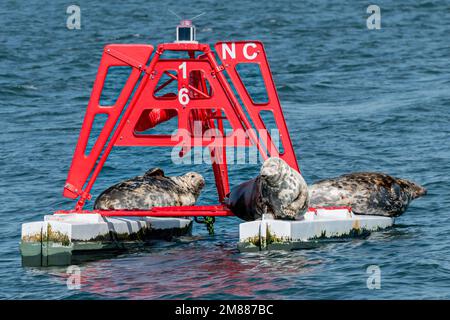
x=153, y=189
x=278, y=190
x=368, y=193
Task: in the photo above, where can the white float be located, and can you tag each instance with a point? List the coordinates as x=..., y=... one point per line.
x=59, y=237
x=317, y=226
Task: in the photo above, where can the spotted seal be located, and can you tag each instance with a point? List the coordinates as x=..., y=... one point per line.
x=368, y=193
x=278, y=190
x=151, y=189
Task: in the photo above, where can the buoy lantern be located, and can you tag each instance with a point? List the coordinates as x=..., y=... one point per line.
x=185, y=31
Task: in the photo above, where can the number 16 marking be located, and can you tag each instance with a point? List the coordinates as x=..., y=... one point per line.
x=183, y=96
x=183, y=67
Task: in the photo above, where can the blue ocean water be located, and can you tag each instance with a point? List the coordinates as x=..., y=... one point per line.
x=354, y=99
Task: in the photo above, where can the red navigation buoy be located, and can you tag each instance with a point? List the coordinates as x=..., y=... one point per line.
x=204, y=95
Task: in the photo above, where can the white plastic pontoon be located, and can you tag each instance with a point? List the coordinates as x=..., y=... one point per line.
x=60, y=237
x=317, y=226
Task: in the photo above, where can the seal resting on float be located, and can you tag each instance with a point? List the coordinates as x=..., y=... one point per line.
x=278, y=190
x=367, y=193
x=153, y=189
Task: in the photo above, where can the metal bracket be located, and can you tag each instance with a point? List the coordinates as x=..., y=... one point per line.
x=217, y=70
x=81, y=193
x=124, y=58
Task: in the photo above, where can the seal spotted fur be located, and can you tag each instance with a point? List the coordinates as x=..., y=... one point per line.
x=368, y=193
x=278, y=190
x=153, y=189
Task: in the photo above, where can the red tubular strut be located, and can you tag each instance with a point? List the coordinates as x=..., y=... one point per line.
x=193, y=211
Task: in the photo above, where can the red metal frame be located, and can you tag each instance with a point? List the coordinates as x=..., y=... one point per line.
x=191, y=211
x=208, y=106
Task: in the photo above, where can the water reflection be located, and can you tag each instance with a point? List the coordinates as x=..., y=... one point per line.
x=191, y=271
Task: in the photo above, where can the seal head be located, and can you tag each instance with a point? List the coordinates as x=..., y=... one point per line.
x=272, y=171
x=278, y=190
x=191, y=182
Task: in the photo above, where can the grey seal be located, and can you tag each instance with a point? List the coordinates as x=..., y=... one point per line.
x=368, y=193
x=153, y=189
x=278, y=190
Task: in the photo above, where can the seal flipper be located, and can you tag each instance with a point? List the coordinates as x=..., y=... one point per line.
x=154, y=172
